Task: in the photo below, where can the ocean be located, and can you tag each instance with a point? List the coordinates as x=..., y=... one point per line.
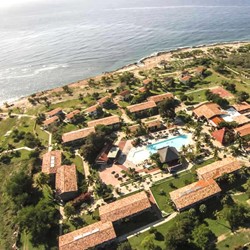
x=45, y=43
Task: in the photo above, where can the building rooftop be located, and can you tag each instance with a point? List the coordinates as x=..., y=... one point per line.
x=91, y=109
x=50, y=120
x=141, y=106
x=208, y=110
x=134, y=128
x=168, y=154
x=87, y=237
x=72, y=114
x=243, y=130
x=241, y=107
x=77, y=134
x=159, y=98
x=151, y=122
x=124, y=207
x=186, y=78
x=200, y=69
x=218, y=168
x=51, y=161
x=103, y=100
x=194, y=193
x=142, y=89
x=241, y=119
x=110, y=120
x=54, y=112
x=147, y=81
x=219, y=135
x=124, y=92
x=66, y=179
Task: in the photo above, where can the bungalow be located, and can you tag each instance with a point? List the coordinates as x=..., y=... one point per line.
x=51, y=162
x=66, y=182
x=54, y=112
x=219, y=135
x=194, y=193
x=92, y=111
x=142, y=108
x=77, y=135
x=170, y=156
x=146, y=82
x=199, y=71
x=112, y=121
x=243, y=130
x=126, y=207
x=94, y=235
x=54, y=120
x=70, y=116
x=103, y=100
x=160, y=98
x=208, y=111
x=152, y=123
x=218, y=168
x=242, y=108
x=124, y=95
x=185, y=78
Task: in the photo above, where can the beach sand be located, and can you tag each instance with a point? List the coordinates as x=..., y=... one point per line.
x=144, y=64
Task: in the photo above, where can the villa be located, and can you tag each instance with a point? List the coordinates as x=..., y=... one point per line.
x=141, y=108
x=219, y=135
x=51, y=162
x=103, y=100
x=217, y=169
x=194, y=193
x=124, y=95
x=185, y=78
x=52, y=121
x=160, y=98
x=111, y=121
x=243, y=130
x=91, y=111
x=126, y=207
x=66, y=182
x=70, y=116
x=170, y=156
x=242, y=108
x=94, y=235
x=54, y=112
x=77, y=135
x=152, y=123
x=199, y=71
x=211, y=112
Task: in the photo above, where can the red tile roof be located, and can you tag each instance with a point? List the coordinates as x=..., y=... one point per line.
x=219, y=135
x=66, y=179
x=142, y=89
x=124, y=92
x=91, y=109
x=194, y=193
x=159, y=98
x=218, y=168
x=124, y=207
x=141, y=106
x=54, y=112
x=221, y=92
x=51, y=162
x=72, y=114
x=77, y=134
x=240, y=107
x=243, y=130
x=241, y=119
x=110, y=120
x=147, y=81
x=103, y=100
x=200, y=69
x=88, y=237
x=186, y=78
x=50, y=120
x=217, y=120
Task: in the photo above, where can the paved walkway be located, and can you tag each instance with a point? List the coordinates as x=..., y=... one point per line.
x=18, y=115
x=50, y=140
x=17, y=149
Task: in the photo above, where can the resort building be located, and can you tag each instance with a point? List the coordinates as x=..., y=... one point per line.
x=194, y=193
x=170, y=156
x=219, y=135
x=152, y=123
x=241, y=120
x=185, y=78
x=103, y=100
x=142, y=90
x=51, y=162
x=160, y=98
x=92, y=111
x=243, y=130
x=217, y=169
x=54, y=112
x=111, y=121
x=52, y=121
x=242, y=108
x=95, y=235
x=77, y=135
x=66, y=182
x=126, y=207
x=109, y=153
x=124, y=95
x=199, y=71
x=70, y=116
x=142, y=108
x=210, y=112
x=134, y=128
x=147, y=81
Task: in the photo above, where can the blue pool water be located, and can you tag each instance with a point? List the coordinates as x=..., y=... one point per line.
x=177, y=142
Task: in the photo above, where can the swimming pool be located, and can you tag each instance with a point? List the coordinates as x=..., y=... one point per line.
x=177, y=142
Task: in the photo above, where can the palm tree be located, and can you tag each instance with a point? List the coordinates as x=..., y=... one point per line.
x=203, y=208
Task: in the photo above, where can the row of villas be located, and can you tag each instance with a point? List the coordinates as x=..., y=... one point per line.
x=206, y=188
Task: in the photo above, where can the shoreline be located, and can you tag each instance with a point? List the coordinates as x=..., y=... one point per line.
x=145, y=62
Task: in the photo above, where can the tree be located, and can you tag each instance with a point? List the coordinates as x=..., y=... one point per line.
x=242, y=96
x=42, y=179
x=69, y=210
x=148, y=243
x=124, y=246
x=203, y=208
x=167, y=108
x=202, y=237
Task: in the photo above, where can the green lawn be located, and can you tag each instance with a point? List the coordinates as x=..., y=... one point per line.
x=26, y=244
x=199, y=96
x=179, y=181
x=202, y=164
x=233, y=241
x=218, y=226
x=69, y=104
x=6, y=125
x=242, y=198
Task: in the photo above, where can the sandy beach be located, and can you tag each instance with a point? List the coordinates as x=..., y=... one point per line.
x=146, y=63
